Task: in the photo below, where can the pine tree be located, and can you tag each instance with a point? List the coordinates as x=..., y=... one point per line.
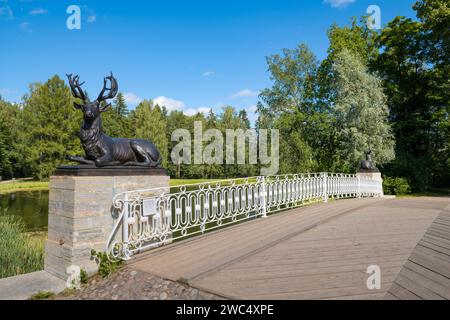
x=149, y=123
x=51, y=125
x=119, y=105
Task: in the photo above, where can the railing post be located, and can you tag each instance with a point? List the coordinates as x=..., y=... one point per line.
x=358, y=177
x=263, y=197
x=125, y=219
x=325, y=186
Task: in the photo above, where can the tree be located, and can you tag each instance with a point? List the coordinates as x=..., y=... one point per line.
x=8, y=138
x=149, y=123
x=244, y=118
x=295, y=93
x=120, y=106
x=50, y=124
x=361, y=112
x=415, y=78
x=293, y=74
x=359, y=40
x=175, y=120
x=5, y=163
x=435, y=17
x=116, y=122
x=296, y=155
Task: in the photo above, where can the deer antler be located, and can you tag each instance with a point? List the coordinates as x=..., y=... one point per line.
x=112, y=91
x=75, y=86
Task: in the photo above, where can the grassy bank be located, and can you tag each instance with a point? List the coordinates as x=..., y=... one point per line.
x=20, y=252
x=179, y=182
x=13, y=186
x=443, y=192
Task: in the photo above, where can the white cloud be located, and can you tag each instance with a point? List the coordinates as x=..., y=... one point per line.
x=194, y=111
x=170, y=104
x=92, y=18
x=252, y=108
x=38, y=11
x=6, y=91
x=339, y=3
x=245, y=93
x=208, y=73
x=131, y=98
x=25, y=26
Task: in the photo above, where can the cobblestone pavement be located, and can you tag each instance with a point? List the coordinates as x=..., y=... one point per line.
x=129, y=284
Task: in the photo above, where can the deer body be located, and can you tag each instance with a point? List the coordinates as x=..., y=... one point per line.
x=101, y=149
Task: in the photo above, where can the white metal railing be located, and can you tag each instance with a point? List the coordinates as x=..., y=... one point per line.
x=153, y=217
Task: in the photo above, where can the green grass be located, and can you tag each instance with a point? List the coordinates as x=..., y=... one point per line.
x=20, y=252
x=42, y=295
x=178, y=182
x=444, y=192
x=13, y=186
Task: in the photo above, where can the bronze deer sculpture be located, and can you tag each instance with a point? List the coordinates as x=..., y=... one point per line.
x=101, y=149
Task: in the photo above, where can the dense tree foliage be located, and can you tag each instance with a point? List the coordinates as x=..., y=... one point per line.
x=414, y=65
x=361, y=113
x=49, y=124
x=149, y=123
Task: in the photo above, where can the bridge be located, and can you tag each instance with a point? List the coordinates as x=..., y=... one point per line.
x=320, y=251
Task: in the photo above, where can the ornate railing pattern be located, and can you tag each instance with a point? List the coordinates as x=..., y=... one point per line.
x=153, y=217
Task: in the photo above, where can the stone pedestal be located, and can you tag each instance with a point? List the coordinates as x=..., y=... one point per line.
x=370, y=175
x=373, y=175
x=80, y=211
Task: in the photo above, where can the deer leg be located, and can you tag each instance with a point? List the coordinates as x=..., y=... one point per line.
x=144, y=159
x=106, y=161
x=79, y=160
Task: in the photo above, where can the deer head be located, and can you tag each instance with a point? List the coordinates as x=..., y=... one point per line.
x=92, y=109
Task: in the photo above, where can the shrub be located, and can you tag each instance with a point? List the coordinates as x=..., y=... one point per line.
x=83, y=276
x=106, y=266
x=19, y=252
x=396, y=186
x=42, y=295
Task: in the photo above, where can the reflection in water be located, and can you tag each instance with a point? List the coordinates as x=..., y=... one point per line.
x=31, y=206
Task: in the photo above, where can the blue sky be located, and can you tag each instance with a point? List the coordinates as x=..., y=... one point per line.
x=187, y=54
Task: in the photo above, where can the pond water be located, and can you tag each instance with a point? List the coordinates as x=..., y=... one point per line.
x=31, y=206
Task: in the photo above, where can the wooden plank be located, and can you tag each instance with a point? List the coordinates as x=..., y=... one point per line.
x=431, y=263
x=434, y=247
x=431, y=274
x=411, y=284
x=436, y=240
x=294, y=271
x=402, y=293
x=442, y=289
x=249, y=265
x=426, y=252
x=389, y=296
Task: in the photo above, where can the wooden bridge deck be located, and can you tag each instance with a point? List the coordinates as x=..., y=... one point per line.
x=316, y=252
x=426, y=273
